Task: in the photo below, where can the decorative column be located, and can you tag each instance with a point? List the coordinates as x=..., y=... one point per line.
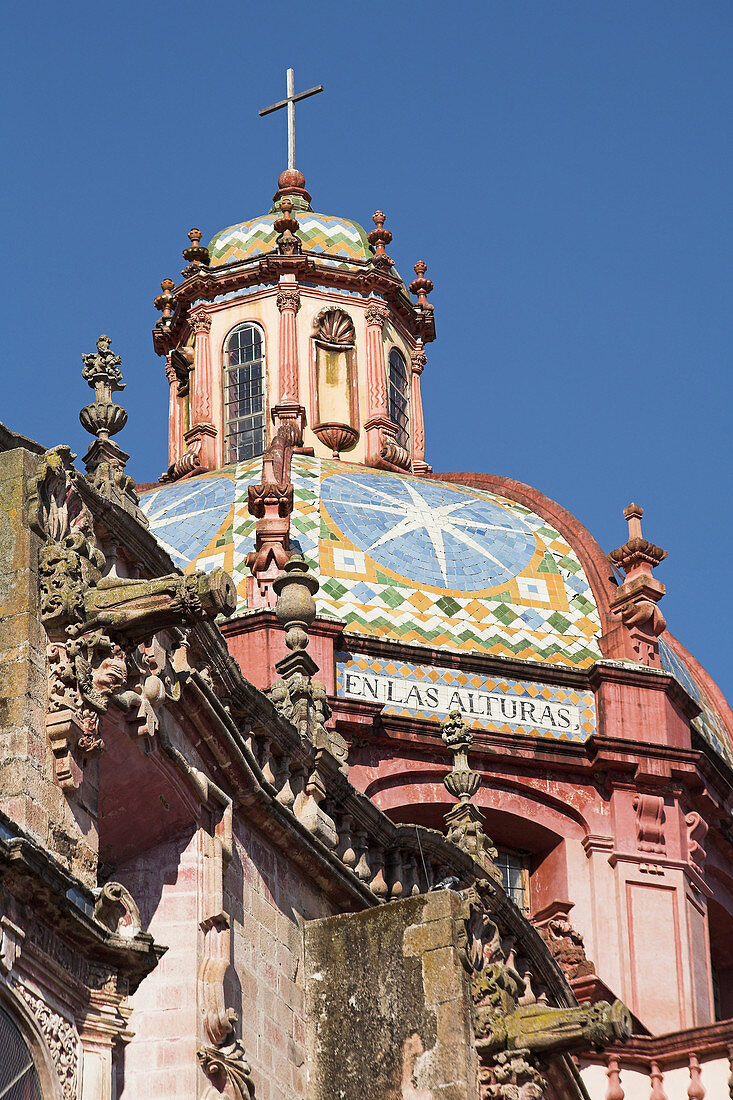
x=378, y=426
x=419, y=359
x=201, y=436
x=288, y=407
x=175, y=418
x=635, y=601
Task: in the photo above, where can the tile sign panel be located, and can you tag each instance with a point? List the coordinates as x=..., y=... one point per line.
x=487, y=702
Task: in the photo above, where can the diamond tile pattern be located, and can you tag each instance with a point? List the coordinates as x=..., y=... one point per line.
x=420, y=561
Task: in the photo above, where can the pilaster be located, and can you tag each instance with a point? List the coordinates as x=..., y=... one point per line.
x=202, y=436
x=417, y=421
x=377, y=424
x=288, y=407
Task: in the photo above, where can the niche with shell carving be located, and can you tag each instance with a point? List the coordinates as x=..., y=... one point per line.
x=334, y=382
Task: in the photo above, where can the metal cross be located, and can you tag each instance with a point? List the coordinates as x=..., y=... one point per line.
x=290, y=102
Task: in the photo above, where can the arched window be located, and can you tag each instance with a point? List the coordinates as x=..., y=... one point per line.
x=244, y=393
x=398, y=389
x=18, y=1075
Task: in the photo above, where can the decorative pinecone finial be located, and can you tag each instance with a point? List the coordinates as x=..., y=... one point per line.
x=196, y=254
x=378, y=239
x=102, y=371
x=421, y=286
x=166, y=302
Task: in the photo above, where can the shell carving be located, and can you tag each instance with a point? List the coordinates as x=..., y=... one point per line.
x=334, y=328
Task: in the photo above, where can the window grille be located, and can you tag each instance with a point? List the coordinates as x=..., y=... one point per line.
x=514, y=877
x=18, y=1076
x=244, y=393
x=398, y=396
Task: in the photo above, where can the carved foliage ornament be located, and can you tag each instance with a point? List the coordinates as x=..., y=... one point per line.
x=288, y=299
x=62, y=1040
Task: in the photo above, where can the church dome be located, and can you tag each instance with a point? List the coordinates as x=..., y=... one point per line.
x=413, y=559
x=423, y=562
x=340, y=238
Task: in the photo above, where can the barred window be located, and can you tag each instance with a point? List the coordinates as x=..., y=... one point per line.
x=244, y=393
x=18, y=1076
x=398, y=396
x=514, y=877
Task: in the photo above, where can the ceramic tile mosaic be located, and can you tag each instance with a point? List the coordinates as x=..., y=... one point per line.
x=487, y=702
x=708, y=723
x=322, y=233
x=401, y=557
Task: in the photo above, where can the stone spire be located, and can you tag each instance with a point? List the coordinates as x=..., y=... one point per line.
x=105, y=460
x=635, y=601
x=465, y=821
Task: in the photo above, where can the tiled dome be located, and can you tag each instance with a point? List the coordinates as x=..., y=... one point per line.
x=340, y=238
x=417, y=560
x=414, y=560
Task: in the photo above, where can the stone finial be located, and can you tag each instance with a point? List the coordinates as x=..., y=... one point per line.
x=421, y=286
x=378, y=239
x=465, y=821
x=105, y=460
x=102, y=371
x=636, y=599
x=166, y=302
x=197, y=253
x=295, y=608
x=286, y=227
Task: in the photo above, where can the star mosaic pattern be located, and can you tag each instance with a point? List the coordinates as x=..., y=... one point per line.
x=427, y=532
x=433, y=564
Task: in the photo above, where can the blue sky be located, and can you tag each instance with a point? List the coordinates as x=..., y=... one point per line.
x=563, y=168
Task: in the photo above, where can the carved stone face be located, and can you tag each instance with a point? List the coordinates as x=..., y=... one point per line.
x=111, y=674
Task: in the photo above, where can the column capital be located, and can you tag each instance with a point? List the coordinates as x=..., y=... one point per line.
x=376, y=314
x=288, y=299
x=200, y=321
x=419, y=360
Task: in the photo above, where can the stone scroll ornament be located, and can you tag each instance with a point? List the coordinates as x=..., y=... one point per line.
x=516, y=1031
x=94, y=622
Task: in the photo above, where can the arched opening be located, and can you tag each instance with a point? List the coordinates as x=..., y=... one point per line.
x=244, y=393
x=398, y=396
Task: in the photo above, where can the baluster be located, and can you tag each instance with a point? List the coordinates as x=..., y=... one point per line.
x=266, y=760
x=285, y=796
x=297, y=784
x=345, y=847
x=396, y=883
x=655, y=1076
x=363, y=870
x=695, y=1089
x=412, y=885
x=378, y=885
x=613, y=1073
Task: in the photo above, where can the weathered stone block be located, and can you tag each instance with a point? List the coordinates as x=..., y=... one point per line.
x=387, y=1003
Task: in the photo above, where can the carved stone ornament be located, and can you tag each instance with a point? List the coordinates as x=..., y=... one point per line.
x=567, y=947
x=61, y=1038
x=102, y=371
x=92, y=621
x=376, y=315
x=70, y=560
x=200, y=322
x=511, y=1018
x=391, y=451
x=333, y=328
x=649, y=822
x=228, y=1071
x=696, y=832
x=117, y=910
x=288, y=299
